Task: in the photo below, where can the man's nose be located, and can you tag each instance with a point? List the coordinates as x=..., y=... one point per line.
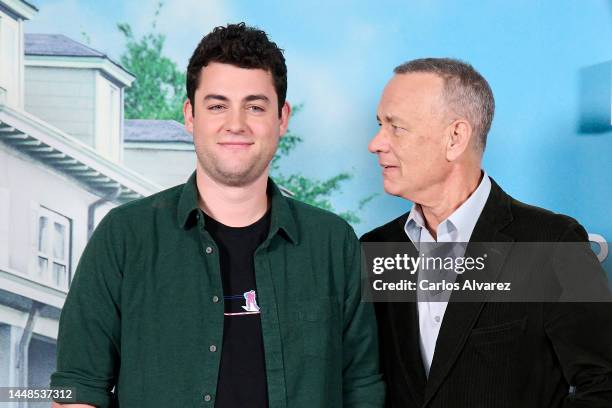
x=378, y=142
x=235, y=121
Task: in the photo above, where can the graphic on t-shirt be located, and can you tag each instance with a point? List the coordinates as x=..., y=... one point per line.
x=250, y=306
x=251, y=303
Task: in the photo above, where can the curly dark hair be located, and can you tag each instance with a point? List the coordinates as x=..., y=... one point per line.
x=243, y=47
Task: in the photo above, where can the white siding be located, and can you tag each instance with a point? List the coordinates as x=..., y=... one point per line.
x=32, y=185
x=108, y=119
x=11, y=60
x=65, y=98
x=164, y=167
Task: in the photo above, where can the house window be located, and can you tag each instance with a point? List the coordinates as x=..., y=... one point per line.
x=53, y=248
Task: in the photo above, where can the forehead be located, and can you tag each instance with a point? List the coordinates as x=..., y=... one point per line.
x=230, y=79
x=411, y=92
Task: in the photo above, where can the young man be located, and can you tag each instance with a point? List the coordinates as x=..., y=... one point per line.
x=434, y=117
x=222, y=292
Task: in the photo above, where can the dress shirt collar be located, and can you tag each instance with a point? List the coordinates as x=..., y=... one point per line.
x=458, y=227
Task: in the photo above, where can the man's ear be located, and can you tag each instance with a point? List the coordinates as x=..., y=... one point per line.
x=284, y=118
x=188, y=115
x=459, y=136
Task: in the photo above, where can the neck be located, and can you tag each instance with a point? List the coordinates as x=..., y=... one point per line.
x=232, y=206
x=445, y=197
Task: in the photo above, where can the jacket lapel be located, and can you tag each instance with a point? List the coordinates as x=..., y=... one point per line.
x=461, y=316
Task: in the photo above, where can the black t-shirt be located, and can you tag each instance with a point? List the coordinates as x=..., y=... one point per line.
x=242, y=372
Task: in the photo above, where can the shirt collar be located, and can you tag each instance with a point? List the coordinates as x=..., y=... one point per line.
x=465, y=217
x=414, y=224
x=461, y=222
x=282, y=218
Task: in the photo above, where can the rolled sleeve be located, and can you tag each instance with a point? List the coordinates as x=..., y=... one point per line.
x=89, y=330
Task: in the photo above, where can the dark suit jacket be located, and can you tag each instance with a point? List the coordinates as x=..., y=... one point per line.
x=515, y=355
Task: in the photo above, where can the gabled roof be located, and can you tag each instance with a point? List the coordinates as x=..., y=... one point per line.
x=59, y=50
x=58, y=44
x=155, y=131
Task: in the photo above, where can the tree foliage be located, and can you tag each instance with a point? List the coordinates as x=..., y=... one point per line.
x=159, y=89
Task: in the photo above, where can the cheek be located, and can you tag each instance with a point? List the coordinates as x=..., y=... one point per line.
x=406, y=155
x=418, y=162
x=203, y=127
x=265, y=130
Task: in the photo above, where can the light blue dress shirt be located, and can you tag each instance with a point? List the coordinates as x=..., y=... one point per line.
x=458, y=227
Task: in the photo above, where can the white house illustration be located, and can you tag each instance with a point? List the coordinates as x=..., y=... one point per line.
x=61, y=155
x=162, y=150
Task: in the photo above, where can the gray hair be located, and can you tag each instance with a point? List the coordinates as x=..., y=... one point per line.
x=466, y=92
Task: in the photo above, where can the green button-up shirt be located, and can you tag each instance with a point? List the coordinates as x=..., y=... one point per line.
x=145, y=310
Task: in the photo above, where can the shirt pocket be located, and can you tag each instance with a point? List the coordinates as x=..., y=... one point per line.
x=320, y=327
x=499, y=333
x=493, y=354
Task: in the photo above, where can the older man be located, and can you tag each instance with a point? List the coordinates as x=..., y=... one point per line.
x=434, y=117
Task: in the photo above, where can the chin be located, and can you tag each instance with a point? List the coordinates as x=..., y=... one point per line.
x=398, y=191
x=391, y=189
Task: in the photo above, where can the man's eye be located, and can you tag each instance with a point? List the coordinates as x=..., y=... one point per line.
x=379, y=124
x=215, y=107
x=255, y=108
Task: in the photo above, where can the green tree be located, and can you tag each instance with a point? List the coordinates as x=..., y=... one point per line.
x=159, y=89
x=159, y=92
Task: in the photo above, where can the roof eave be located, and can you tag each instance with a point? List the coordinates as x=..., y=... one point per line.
x=103, y=64
x=19, y=8
x=66, y=154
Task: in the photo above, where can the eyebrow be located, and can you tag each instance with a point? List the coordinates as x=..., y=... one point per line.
x=388, y=118
x=216, y=97
x=258, y=97
x=249, y=98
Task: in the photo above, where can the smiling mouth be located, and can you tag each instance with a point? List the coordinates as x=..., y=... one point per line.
x=236, y=145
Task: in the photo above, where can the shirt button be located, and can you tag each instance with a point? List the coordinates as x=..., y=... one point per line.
x=207, y=397
x=437, y=319
x=209, y=250
x=212, y=348
x=215, y=299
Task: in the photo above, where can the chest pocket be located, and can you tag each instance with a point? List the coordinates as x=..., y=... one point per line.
x=320, y=326
x=501, y=333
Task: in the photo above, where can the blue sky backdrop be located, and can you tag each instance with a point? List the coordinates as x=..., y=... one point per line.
x=548, y=62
